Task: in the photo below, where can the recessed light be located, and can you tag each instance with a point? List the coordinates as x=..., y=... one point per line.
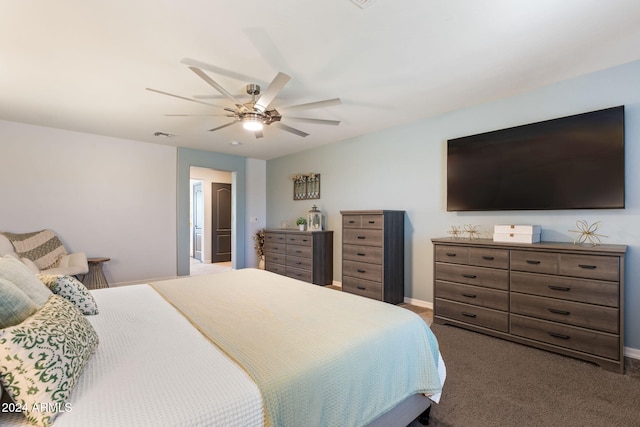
x=235, y=143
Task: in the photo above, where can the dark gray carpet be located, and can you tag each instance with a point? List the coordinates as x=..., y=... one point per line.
x=493, y=382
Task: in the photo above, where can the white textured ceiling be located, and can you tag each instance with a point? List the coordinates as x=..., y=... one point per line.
x=84, y=64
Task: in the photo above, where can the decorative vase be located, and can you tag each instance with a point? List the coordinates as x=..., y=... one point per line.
x=261, y=262
x=301, y=226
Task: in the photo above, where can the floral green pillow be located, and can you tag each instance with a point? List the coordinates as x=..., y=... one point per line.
x=71, y=289
x=42, y=357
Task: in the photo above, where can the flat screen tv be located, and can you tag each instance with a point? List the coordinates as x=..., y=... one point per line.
x=574, y=162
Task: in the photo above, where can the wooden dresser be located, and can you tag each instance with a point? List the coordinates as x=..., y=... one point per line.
x=555, y=296
x=303, y=255
x=373, y=254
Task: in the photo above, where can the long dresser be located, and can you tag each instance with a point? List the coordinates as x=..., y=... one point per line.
x=560, y=297
x=303, y=255
x=373, y=254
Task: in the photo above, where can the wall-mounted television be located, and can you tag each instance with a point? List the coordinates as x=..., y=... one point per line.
x=574, y=162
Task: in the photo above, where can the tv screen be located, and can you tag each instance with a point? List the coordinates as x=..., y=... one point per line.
x=574, y=162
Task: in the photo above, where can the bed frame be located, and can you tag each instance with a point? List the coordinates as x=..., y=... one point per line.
x=415, y=406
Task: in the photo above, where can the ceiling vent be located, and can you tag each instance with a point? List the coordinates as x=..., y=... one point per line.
x=363, y=3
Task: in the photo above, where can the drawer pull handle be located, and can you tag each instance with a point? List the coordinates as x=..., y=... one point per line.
x=554, y=311
x=298, y=252
x=362, y=237
x=561, y=336
x=451, y=254
x=468, y=314
x=351, y=221
x=305, y=240
x=361, y=271
x=469, y=276
x=559, y=288
x=298, y=263
x=588, y=267
x=372, y=222
x=361, y=254
x=533, y=262
x=488, y=258
x=464, y=294
x=362, y=288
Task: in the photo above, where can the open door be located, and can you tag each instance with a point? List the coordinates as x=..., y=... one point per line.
x=197, y=220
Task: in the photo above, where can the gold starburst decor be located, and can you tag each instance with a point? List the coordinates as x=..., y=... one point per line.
x=587, y=232
x=455, y=232
x=472, y=231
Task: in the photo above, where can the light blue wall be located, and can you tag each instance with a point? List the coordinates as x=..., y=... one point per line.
x=237, y=165
x=405, y=168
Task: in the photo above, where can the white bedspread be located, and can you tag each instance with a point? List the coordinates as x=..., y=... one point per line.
x=190, y=383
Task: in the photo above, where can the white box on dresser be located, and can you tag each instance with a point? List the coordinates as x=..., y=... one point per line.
x=516, y=233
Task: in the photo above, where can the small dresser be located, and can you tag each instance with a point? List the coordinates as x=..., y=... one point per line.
x=303, y=255
x=373, y=254
x=555, y=296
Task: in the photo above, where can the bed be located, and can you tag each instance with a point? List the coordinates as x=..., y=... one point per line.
x=250, y=348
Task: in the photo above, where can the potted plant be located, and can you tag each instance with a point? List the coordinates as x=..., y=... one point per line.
x=301, y=222
x=258, y=237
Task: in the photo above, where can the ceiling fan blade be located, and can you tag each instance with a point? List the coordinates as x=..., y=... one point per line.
x=217, y=70
x=315, y=121
x=180, y=97
x=272, y=91
x=207, y=97
x=223, y=126
x=258, y=134
x=290, y=129
x=313, y=105
x=216, y=86
x=198, y=115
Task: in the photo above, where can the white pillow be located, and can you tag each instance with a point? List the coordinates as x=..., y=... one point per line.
x=30, y=265
x=17, y=273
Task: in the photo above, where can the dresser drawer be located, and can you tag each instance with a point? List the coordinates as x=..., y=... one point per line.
x=300, y=263
x=369, y=254
x=566, y=288
x=584, y=340
x=478, y=276
x=373, y=221
x=275, y=268
x=362, y=287
x=362, y=270
x=362, y=237
x=474, y=295
x=572, y=313
x=276, y=247
x=351, y=221
x=274, y=237
x=275, y=258
x=485, y=317
x=536, y=262
x=452, y=254
x=494, y=258
x=304, y=275
x=592, y=267
x=300, y=239
x=299, y=251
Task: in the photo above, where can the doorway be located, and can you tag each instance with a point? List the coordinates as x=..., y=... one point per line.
x=211, y=227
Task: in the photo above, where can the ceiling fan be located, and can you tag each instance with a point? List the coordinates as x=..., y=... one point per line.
x=258, y=112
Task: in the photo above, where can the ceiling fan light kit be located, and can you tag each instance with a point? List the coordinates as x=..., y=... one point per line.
x=257, y=113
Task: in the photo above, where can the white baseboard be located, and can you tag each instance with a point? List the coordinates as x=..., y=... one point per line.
x=336, y=283
x=138, y=282
x=418, y=303
x=632, y=353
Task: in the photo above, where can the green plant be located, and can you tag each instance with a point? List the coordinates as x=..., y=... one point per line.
x=301, y=221
x=259, y=239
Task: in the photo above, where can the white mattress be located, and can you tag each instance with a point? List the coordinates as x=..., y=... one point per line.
x=191, y=383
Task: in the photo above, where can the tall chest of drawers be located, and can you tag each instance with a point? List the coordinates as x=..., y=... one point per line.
x=303, y=255
x=555, y=296
x=373, y=254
